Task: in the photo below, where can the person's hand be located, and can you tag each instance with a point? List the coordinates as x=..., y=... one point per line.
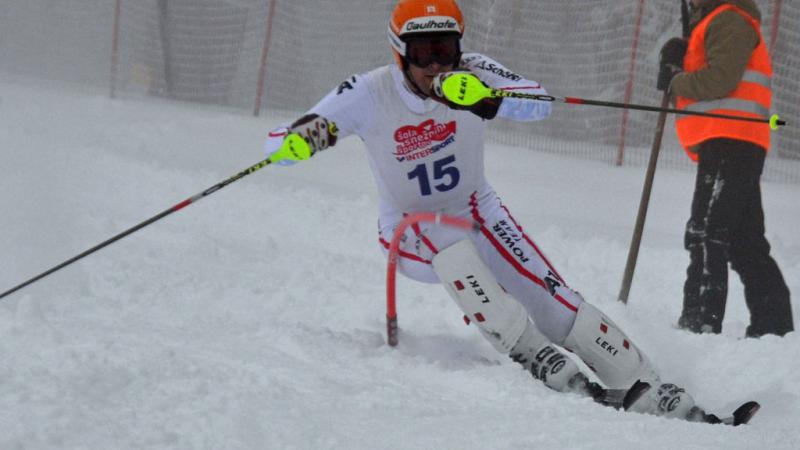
x=300, y=141
x=671, y=61
x=317, y=131
x=486, y=108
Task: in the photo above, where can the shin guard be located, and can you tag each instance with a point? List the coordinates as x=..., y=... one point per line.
x=602, y=345
x=498, y=316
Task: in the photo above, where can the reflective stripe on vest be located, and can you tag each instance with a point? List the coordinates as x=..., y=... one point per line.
x=751, y=76
x=751, y=98
x=730, y=104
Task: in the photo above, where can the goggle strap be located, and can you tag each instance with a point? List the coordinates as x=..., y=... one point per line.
x=397, y=43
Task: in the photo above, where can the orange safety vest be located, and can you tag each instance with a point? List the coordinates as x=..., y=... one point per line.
x=751, y=98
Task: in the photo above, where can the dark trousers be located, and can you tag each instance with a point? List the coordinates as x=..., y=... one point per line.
x=727, y=225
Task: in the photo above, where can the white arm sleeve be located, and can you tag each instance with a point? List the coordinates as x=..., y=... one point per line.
x=349, y=106
x=497, y=76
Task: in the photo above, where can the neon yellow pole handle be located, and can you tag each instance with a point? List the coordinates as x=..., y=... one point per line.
x=465, y=89
x=294, y=148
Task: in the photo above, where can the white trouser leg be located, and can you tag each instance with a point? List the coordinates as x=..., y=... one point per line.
x=499, y=317
x=604, y=347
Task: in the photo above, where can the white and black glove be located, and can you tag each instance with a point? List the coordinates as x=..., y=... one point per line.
x=485, y=109
x=317, y=131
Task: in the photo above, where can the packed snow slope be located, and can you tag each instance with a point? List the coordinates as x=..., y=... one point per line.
x=254, y=319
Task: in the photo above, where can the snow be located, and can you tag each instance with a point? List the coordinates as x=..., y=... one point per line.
x=255, y=318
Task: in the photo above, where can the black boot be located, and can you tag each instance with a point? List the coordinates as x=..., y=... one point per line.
x=706, y=287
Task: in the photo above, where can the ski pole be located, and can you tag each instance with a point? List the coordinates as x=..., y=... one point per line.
x=638, y=230
x=466, y=89
x=294, y=148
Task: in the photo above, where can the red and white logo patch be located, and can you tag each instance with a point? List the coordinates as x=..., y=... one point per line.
x=427, y=138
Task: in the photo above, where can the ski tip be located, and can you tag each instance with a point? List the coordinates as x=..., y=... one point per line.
x=744, y=413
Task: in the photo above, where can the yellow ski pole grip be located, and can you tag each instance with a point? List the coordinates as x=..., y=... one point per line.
x=294, y=148
x=464, y=89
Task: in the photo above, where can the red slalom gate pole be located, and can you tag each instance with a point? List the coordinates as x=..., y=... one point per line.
x=394, y=250
x=623, y=133
x=115, y=51
x=262, y=71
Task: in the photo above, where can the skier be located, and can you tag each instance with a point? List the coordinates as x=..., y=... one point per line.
x=426, y=154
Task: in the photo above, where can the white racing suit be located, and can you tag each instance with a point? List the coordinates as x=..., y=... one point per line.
x=427, y=157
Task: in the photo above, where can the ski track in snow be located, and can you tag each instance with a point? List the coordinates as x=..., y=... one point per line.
x=255, y=318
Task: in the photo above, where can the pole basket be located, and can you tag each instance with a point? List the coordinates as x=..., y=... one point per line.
x=394, y=250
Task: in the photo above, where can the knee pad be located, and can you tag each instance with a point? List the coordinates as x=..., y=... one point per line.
x=498, y=316
x=602, y=345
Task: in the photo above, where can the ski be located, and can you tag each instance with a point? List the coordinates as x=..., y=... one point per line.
x=624, y=398
x=740, y=416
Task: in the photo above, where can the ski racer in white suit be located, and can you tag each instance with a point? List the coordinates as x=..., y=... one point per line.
x=427, y=154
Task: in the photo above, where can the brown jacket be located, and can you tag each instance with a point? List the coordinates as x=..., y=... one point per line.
x=730, y=41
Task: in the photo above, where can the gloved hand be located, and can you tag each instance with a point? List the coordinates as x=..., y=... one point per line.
x=317, y=131
x=306, y=136
x=671, y=61
x=485, y=109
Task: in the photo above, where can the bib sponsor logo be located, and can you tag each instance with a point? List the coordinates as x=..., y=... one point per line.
x=425, y=139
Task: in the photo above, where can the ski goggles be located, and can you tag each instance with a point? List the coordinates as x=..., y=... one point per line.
x=424, y=51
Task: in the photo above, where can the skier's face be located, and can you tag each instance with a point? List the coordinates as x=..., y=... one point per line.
x=429, y=56
x=423, y=77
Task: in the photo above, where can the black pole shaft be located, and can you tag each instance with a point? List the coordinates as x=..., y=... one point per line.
x=138, y=227
x=664, y=108
x=633, y=252
x=667, y=110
